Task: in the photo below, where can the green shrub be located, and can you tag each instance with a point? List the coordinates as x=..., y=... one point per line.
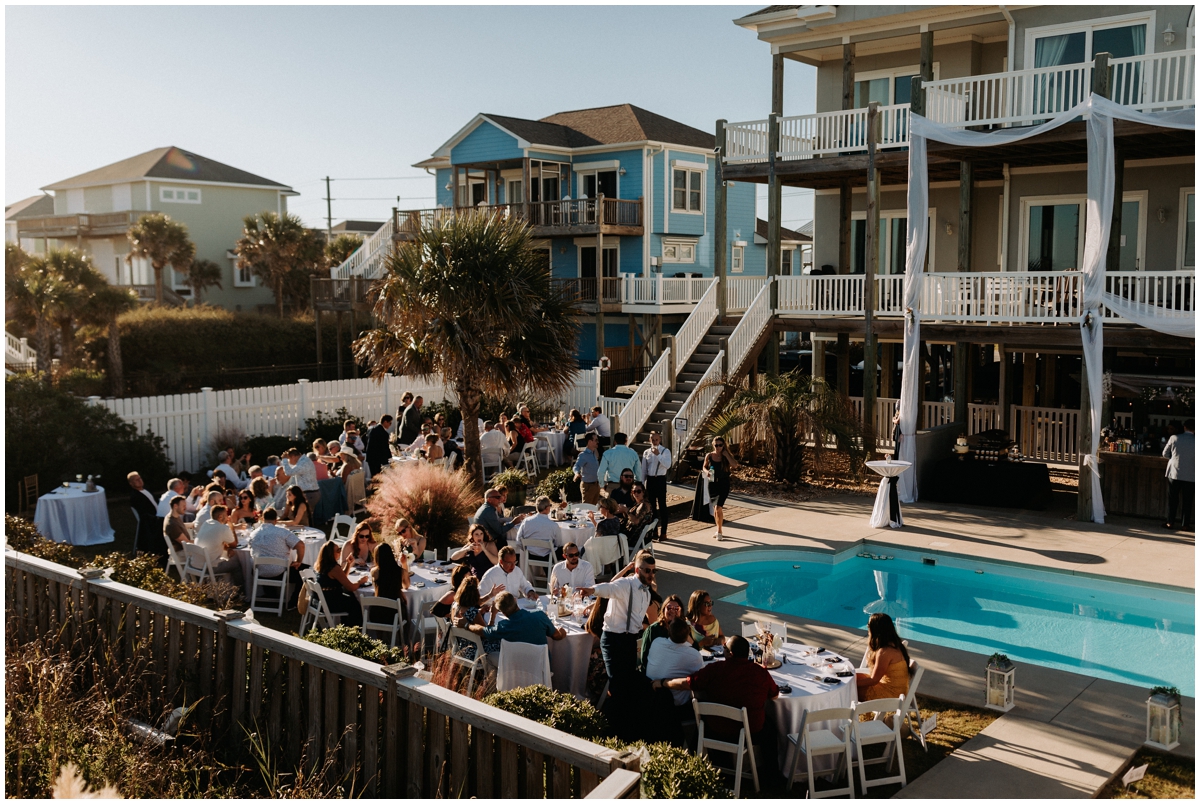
x=672, y=772
x=558, y=710
x=553, y=483
x=24, y=537
x=328, y=426
x=143, y=572
x=55, y=435
x=515, y=481
x=434, y=501
x=83, y=382
x=353, y=641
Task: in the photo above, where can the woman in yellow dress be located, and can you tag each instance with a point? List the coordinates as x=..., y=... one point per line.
x=887, y=661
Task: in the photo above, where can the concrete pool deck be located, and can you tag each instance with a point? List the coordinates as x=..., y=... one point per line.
x=1066, y=705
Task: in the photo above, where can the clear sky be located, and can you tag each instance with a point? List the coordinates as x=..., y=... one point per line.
x=295, y=93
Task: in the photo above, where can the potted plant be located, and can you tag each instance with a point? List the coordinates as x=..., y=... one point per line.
x=514, y=480
x=554, y=484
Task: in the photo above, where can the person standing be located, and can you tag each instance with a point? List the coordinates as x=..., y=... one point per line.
x=410, y=420
x=656, y=460
x=721, y=463
x=617, y=460
x=379, y=454
x=628, y=598
x=586, y=468
x=601, y=426
x=1181, y=477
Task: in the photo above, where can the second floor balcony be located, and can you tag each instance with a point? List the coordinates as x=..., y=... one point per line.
x=1149, y=83
x=569, y=217
x=105, y=224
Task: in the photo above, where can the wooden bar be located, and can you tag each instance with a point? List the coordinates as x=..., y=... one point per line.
x=459, y=759
x=313, y=683
x=237, y=701
x=191, y=658
x=370, y=749
x=130, y=641
x=508, y=768
x=393, y=711
x=275, y=684
x=482, y=746
x=350, y=725
x=435, y=754
x=144, y=637
x=535, y=774
x=415, y=743
x=1134, y=484
x=256, y=680
x=17, y=579
x=560, y=779
x=588, y=782
x=224, y=677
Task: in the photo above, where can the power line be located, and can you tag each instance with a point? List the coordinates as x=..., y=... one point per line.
x=384, y=178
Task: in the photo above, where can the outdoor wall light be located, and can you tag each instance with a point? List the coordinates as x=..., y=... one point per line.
x=621, y=171
x=1162, y=214
x=949, y=229
x=1169, y=34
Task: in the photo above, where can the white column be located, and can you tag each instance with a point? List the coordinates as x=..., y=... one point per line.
x=303, y=405
x=209, y=410
x=387, y=397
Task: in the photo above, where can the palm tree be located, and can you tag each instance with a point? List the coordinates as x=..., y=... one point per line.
x=469, y=298
x=203, y=274
x=281, y=251
x=339, y=249
x=81, y=280
x=784, y=412
x=104, y=307
x=162, y=241
x=35, y=293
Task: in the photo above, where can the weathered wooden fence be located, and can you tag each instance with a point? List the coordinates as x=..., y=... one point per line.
x=393, y=734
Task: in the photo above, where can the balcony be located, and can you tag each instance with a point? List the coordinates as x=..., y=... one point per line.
x=104, y=224
x=572, y=217
x=592, y=294
x=1149, y=83
x=342, y=294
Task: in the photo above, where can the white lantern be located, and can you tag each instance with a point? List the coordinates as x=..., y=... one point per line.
x=1001, y=684
x=1163, y=720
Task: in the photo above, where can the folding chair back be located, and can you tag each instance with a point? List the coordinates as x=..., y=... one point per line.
x=645, y=539
x=522, y=665
x=912, y=710
x=540, y=581
x=318, y=608
x=877, y=732
x=601, y=551
x=343, y=527
x=29, y=491
x=175, y=559
x=196, y=564
x=392, y=627
x=740, y=749
x=492, y=459
x=356, y=492
x=832, y=739
x=278, y=582
x=479, y=663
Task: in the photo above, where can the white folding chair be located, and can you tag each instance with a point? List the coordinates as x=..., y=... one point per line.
x=912, y=710
x=340, y=522
x=742, y=748
x=356, y=492
x=175, y=559
x=645, y=539
x=823, y=742
x=429, y=555
x=479, y=663
x=263, y=582
x=427, y=624
x=776, y=627
x=541, y=583
x=318, y=610
x=387, y=604
x=529, y=459
x=196, y=564
x=542, y=447
x=601, y=551
x=522, y=665
x=492, y=459
x=877, y=732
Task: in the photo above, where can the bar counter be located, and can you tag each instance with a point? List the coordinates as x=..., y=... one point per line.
x=1134, y=484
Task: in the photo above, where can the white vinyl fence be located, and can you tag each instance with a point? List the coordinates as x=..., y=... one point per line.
x=189, y=423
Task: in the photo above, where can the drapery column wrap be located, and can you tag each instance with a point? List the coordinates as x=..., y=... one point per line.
x=1100, y=113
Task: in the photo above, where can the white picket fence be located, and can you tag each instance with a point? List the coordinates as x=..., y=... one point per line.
x=189, y=423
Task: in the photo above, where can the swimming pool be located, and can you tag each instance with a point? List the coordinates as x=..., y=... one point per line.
x=1128, y=632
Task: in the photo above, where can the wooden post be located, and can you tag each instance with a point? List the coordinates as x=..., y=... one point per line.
x=818, y=358
x=871, y=270
x=927, y=56
x=848, y=76
x=774, y=200
x=888, y=362
x=317, y=319
x=1003, y=392
x=966, y=183
x=720, y=225
x=525, y=179
x=1028, y=379
x=338, y=316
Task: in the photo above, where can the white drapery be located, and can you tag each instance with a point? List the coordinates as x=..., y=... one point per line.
x=1101, y=189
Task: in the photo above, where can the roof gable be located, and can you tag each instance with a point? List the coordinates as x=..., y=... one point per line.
x=33, y=207
x=172, y=164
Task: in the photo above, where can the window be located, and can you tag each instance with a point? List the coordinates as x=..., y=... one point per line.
x=679, y=251
x=515, y=193
x=1076, y=43
x=243, y=277
x=737, y=261
x=179, y=195
x=1187, y=228
x=892, y=241
x=602, y=182
x=688, y=189
x=785, y=263
x=1053, y=235
x=887, y=87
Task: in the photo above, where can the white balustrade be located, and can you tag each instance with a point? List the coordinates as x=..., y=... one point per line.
x=1018, y=97
x=696, y=326
x=807, y=135
x=367, y=260
x=699, y=404
x=17, y=351
x=1156, y=81
x=746, y=142
x=1170, y=290
x=821, y=295
x=1002, y=297
x=740, y=291
x=1046, y=434
x=637, y=410
x=660, y=290
x=756, y=318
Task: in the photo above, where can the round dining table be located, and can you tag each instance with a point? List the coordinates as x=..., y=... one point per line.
x=554, y=440
x=886, y=512
x=805, y=670
x=569, y=656
x=427, y=583
x=311, y=537
x=72, y=515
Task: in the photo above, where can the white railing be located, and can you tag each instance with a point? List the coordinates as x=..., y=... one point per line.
x=982, y=417
x=639, y=407
x=696, y=326
x=663, y=290
x=839, y=295
x=1019, y=97
x=807, y=135
x=740, y=292
x=743, y=338
x=367, y=260
x=979, y=417
x=1002, y=297
x=746, y=142
x=612, y=406
x=18, y=352
x=1170, y=290
x=935, y=414
x=700, y=402
x=1046, y=434
x=1155, y=82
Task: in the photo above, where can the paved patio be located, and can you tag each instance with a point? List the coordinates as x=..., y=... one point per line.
x=1068, y=733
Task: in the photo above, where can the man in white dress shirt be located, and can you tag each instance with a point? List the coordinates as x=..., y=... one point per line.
x=572, y=571
x=205, y=512
x=628, y=598
x=491, y=438
x=674, y=657
x=656, y=460
x=538, y=526
x=174, y=486
x=508, y=575
x=225, y=467
x=216, y=537
x=304, y=471
x=601, y=426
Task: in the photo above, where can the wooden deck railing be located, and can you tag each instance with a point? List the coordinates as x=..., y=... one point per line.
x=394, y=734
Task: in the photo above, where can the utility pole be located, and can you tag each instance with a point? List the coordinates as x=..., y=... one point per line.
x=328, y=211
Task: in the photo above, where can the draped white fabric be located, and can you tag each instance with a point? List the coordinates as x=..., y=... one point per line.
x=1100, y=113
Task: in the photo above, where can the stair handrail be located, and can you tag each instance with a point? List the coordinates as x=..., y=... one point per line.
x=366, y=260
x=18, y=350
x=750, y=328
x=649, y=393
x=700, y=401
x=696, y=326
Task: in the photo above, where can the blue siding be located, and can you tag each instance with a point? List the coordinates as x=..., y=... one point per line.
x=741, y=215
x=656, y=183
x=564, y=265
x=689, y=223
x=445, y=198
x=485, y=144
x=614, y=335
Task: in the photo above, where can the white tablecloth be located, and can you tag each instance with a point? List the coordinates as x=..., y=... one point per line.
x=555, y=440
x=578, y=531
x=423, y=588
x=881, y=514
x=569, y=656
x=312, y=538
x=74, y=516
x=808, y=694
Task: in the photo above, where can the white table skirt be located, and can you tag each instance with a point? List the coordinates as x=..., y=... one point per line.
x=881, y=513
x=312, y=538
x=555, y=441
x=569, y=659
x=74, y=516
x=430, y=591
x=807, y=695
x=578, y=531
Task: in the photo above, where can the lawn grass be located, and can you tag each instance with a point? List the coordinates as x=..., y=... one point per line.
x=1168, y=776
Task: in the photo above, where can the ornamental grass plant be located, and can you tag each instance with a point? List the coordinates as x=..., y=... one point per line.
x=434, y=501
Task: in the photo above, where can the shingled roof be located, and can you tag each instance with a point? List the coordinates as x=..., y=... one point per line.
x=171, y=163
x=605, y=125
x=785, y=234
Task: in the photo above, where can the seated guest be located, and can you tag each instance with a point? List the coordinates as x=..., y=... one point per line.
x=491, y=516
x=433, y=450
x=268, y=540
x=700, y=615
x=530, y=627
x=670, y=611
x=673, y=656
x=468, y=613
x=282, y=483
x=351, y=463
x=215, y=497
x=490, y=438
x=640, y=514
x=337, y=587
x=173, y=525
x=390, y=579
x=527, y=420
x=175, y=487
x=735, y=682
x=359, y=549
x=351, y=438
x=246, y=511
x=462, y=427
x=538, y=526
x=150, y=525
x=261, y=491
x=622, y=495
x=410, y=540
x=516, y=444
x=296, y=514
x=227, y=471
x=609, y=522
x=320, y=456
x=508, y=574
x=195, y=501
x=451, y=447
x=217, y=539
x=442, y=607
x=571, y=571
x=575, y=428
x=887, y=661
x=479, y=553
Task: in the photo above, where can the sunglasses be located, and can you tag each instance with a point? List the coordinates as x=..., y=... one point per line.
x=569, y=556
x=637, y=491
x=626, y=477
x=706, y=603
x=649, y=570
x=403, y=529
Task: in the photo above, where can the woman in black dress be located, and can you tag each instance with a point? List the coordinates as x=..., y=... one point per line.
x=721, y=462
x=337, y=587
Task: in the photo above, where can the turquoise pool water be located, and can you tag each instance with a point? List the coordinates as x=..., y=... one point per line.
x=1127, y=632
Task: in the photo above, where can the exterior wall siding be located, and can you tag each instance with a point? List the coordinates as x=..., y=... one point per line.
x=687, y=223
x=485, y=143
